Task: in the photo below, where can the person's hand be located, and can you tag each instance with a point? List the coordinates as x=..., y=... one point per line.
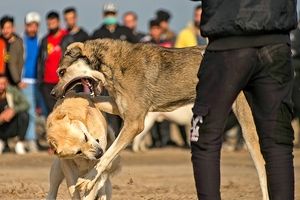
x=8, y=114
x=22, y=85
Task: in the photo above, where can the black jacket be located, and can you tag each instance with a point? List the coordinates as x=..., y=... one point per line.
x=254, y=18
x=121, y=33
x=80, y=36
x=295, y=46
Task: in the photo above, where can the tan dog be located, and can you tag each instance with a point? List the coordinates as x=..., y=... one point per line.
x=142, y=78
x=77, y=133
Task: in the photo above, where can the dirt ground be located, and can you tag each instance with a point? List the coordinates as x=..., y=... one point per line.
x=157, y=174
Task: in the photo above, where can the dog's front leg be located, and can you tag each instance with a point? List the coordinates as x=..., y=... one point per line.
x=56, y=177
x=97, y=189
x=130, y=129
x=106, y=104
x=71, y=175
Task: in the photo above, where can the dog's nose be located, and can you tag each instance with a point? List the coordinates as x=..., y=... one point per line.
x=99, y=153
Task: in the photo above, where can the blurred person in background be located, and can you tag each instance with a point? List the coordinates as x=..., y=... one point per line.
x=2, y=55
x=49, y=56
x=75, y=33
x=130, y=20
x=155, y=34
x=167, y=35
x=29, y=75
x=14, y=117
x=190, y=35
x=110, y=27
x=14, y=51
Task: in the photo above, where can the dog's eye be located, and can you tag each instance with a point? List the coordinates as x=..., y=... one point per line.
x=97, y=140
x=79, y=152
x=62, y=72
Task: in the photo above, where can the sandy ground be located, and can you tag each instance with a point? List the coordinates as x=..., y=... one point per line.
x=157, y=174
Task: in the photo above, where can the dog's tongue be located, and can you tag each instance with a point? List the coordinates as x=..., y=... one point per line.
x=51, y=151
x=85, y=82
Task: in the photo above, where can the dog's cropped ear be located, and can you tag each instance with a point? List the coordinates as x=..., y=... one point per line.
x=79, y=46
x=52, y=143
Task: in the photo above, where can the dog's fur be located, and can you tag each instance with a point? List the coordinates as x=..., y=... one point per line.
x=142, y=78
x=77, y=133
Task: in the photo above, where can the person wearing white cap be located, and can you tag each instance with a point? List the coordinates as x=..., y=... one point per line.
x=29, y=75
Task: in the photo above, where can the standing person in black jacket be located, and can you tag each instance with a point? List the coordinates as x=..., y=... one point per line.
x=75, y=33
x=110, y=27
x=295, y=39
x=248, y=50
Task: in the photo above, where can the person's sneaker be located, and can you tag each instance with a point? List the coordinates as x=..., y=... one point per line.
x=2, y=146
x=19, y=148
x=32, y=146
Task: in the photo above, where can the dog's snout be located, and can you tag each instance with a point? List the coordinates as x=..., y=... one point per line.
x=99, y=153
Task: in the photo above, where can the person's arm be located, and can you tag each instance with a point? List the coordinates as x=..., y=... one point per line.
x=130, y=36
x=68, y=39
x=16, y=61
x=95, y=35
x=85, y=36
x=20, y=63
x=41, y=60
x=20, y=102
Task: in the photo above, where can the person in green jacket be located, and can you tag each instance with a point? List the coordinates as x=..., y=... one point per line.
x=14, y=115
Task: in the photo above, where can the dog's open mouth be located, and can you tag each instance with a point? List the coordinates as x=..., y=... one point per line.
x=87, y=82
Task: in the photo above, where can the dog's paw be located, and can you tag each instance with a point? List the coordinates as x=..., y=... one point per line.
x=85, y=184
x=88, y=181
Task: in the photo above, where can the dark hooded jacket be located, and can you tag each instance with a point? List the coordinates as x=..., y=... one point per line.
x=233, y=24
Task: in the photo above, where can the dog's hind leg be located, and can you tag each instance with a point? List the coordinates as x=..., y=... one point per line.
x=244, y=115
x=149, y=121
x=133, y=125
x=56, y=177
